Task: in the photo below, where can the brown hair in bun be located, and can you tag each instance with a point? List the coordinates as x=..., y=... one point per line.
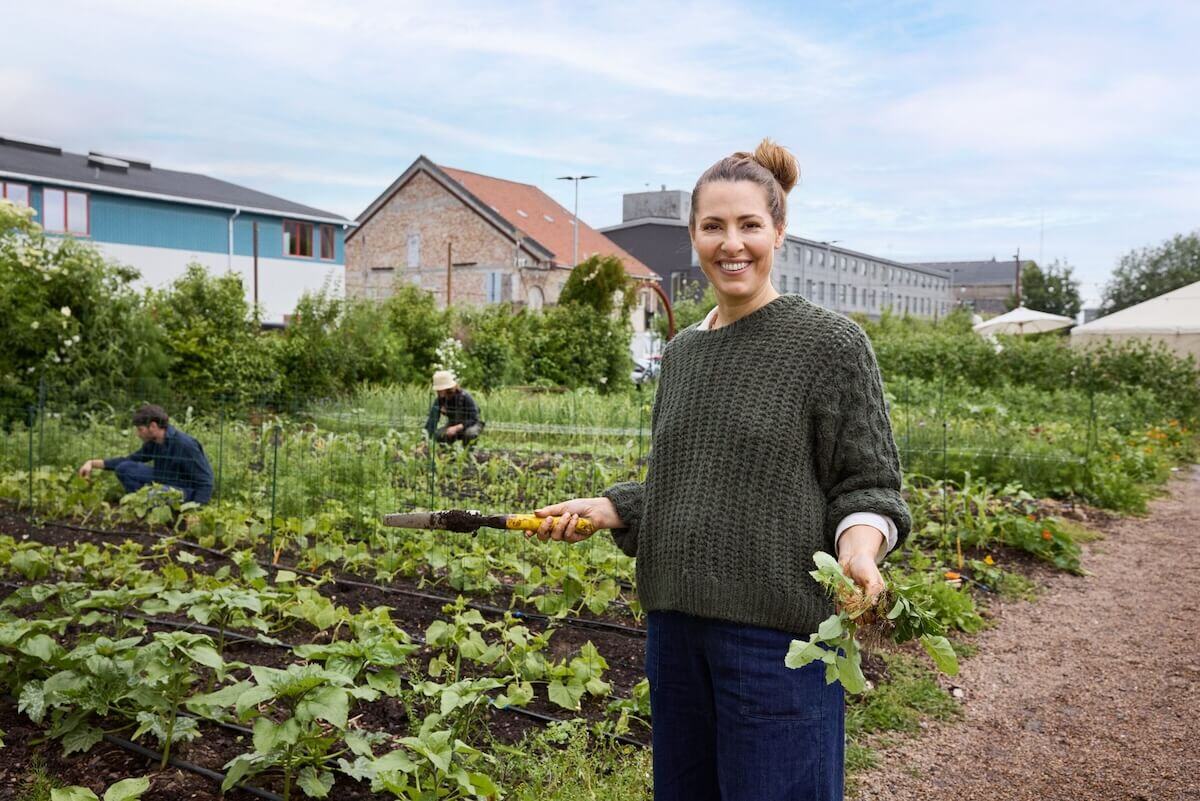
x=771, y=166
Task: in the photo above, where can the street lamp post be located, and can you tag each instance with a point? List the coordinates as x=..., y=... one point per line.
x=575, y=214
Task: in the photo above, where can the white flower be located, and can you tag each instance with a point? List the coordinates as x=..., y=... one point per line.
x=34, y=325
x=66, y=311
x=76, y=338
x=29, y=370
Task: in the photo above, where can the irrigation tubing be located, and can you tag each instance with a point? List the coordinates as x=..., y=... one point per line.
x=199, y=770
x=579, y=622
x=232, y=636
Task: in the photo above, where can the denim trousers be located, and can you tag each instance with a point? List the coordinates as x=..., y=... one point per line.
x=732, y=722
x=135, y=475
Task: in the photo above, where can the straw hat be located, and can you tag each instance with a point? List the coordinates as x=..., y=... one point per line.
x=444, y=379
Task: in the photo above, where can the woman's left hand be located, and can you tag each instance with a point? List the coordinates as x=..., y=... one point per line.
x=861, y=568
x=857, y=549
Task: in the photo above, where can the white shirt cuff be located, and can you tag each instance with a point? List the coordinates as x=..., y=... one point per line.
x=885, y=525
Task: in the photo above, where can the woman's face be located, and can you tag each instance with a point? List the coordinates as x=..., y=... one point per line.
x=735, y=238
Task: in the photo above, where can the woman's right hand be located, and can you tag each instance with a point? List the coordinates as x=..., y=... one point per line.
x=561, y=518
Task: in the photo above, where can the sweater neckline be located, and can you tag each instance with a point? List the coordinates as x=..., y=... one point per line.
x=764, y=312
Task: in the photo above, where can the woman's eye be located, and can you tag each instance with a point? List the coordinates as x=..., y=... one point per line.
x=753, y=225
x=711, y=227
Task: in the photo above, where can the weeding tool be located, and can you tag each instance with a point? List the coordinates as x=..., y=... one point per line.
x=467, y=521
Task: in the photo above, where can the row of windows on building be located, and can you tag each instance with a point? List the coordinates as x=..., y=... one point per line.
x=848, y=296
x=793, y=253
x=66, y=211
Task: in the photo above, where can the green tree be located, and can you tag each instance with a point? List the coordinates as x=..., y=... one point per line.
x=69, y=317
x=1053, y=289
x=690, y=307
x=212, y=339
x=601, y=284
x=1149, y=272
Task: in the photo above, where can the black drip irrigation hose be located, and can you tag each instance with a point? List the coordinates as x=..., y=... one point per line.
x=578, y=622
x=234, y=637
x=190, y=767
x=231, y=636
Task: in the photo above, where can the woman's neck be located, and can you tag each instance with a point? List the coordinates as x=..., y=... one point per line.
x=730, y=310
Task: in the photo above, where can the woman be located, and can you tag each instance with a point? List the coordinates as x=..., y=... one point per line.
x=770, y=441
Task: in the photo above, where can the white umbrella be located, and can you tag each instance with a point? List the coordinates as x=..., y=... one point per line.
x=1023, y=321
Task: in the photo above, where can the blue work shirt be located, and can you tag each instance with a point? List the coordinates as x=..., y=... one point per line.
x=178, y=462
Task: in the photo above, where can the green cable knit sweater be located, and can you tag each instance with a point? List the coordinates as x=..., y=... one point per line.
x=765, y=433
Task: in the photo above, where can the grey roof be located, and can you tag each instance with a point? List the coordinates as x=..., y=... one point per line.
x=48, y=163
x=976, y=273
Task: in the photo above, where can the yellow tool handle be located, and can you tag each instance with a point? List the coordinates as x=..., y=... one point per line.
x=533, y=523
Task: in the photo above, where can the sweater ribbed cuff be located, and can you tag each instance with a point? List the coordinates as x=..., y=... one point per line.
x=627, y=497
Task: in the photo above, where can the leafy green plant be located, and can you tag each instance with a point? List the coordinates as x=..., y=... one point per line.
x=835, y=642
x=124, y=790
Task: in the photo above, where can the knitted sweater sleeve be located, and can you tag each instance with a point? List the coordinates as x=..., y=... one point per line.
x=856, y=459
x=627, y=497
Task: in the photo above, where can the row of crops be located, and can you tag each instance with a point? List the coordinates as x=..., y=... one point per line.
x=285, y=640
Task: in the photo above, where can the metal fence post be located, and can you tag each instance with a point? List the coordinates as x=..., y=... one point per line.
x=275, y=436
x=220, y=446
x=29, y=462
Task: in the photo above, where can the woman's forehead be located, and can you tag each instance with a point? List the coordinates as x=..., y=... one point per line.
x=732, y=199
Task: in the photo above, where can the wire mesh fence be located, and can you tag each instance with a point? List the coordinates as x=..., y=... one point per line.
x=368, y=453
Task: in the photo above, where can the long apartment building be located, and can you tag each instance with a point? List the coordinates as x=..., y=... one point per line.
x=654, y=230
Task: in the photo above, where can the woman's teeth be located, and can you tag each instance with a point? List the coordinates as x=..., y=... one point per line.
x=733, y=266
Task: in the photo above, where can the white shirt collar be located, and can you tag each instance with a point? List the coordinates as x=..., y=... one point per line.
x=707, y=323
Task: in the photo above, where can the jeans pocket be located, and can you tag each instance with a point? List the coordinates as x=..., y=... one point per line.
x=770, y=689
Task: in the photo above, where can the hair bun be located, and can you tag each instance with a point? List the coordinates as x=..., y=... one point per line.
x=779, y=162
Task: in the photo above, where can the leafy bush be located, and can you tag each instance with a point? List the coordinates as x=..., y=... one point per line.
x=68, y=317
x=212, y=338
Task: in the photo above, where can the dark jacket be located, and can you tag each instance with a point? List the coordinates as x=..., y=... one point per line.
x=178, y=462
x=458, y=408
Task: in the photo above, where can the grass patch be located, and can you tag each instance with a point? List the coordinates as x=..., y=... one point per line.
x=37, y=783
x=1079, y=532
x=900, y=704
x=565, y=763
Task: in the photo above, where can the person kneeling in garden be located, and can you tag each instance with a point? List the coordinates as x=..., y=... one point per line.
x=177, y=459
x=459, y=407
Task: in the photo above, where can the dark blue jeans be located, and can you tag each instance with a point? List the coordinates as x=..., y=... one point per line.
x=135, y=475
x=732, y=722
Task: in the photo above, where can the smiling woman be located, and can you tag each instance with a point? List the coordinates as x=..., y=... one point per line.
x=770, y=441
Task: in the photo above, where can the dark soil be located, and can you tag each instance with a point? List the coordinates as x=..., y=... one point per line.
x=624, y=654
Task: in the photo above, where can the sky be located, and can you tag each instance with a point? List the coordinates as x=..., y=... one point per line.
x=925, y=131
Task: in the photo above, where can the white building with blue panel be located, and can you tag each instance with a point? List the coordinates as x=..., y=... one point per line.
x=159, y=221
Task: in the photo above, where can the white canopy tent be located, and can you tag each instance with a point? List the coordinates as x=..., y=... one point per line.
x=1172, y=318
x=1022, y=321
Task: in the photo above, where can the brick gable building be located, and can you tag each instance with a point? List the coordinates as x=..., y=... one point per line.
x=498, y=241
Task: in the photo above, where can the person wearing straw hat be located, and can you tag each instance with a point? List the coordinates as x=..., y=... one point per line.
x=462, y=414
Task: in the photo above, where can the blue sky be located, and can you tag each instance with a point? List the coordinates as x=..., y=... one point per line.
x=924, y=130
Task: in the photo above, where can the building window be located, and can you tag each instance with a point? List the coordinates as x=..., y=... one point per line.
x=297, y=239
x=497, y=287
x=414, y=250
x=820, y=292
x=808, y=290
x=853, y=296
x=678, y=278
x=18, y=194
x=843, y=295
x=65, y=212
x=328, y=243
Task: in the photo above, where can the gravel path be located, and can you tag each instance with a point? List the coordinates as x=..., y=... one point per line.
x=1091, y=692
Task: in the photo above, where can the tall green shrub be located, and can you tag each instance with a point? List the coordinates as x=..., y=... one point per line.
x=70, y=318
x=212, y=339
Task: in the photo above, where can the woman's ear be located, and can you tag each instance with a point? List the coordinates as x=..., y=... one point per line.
x=780, y=235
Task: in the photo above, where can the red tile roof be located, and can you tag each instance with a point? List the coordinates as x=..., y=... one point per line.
x=537, y=215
